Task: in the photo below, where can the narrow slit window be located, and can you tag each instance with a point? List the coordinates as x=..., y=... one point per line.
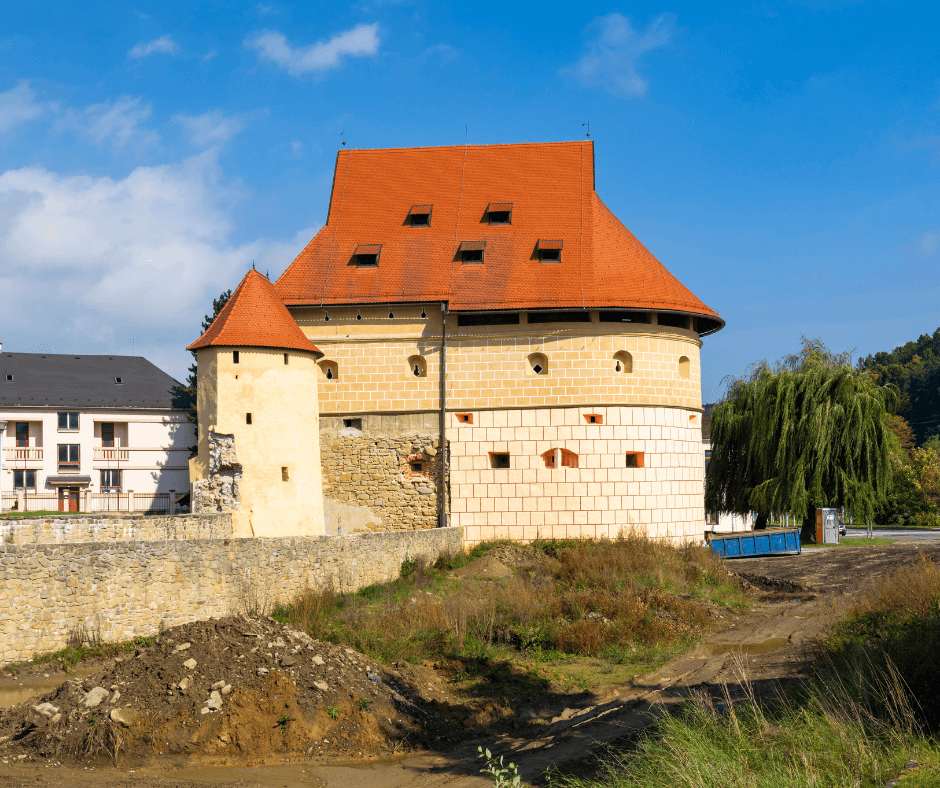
x=635, y=459
x=119, y=381
x=538, y=362
x=416, y=466
x=499, y=459
x=623, y=362
x=247, y=418
x=235, y=357
x=499, y=213
x=550, y=458
x=285, y=358
x=285, y=474
x=465, y=418
x=593, y=418
x=550, y=250
x=418, y=366
x=472, y=251
x=367, y=255
x=330, y=370
x=420, y=215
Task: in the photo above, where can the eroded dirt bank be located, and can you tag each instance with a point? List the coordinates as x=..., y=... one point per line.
x=406, y=724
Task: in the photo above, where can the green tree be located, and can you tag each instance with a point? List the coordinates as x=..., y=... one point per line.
x=806, y=433
x=184, y=395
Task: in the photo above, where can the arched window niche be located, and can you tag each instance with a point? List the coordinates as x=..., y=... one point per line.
x=329, y=369
x=684, y=367
x=560, y=458
x=418, y=366
x=623, y=362
x=538, y=363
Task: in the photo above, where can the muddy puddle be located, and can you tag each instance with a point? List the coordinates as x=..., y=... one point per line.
x=13, y=691
x=717, y=649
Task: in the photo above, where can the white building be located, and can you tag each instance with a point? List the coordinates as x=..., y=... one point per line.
x=83, y=432
x=720, y=521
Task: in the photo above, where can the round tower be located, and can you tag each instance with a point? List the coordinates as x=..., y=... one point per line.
x=259, y=450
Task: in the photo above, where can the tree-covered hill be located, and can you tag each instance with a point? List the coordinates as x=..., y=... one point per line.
x=915, y=369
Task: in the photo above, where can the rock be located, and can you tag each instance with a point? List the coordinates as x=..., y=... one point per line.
x=115, y=697
x=214, y=702
x=190, y=663
x=226, y=689
x=374, y=677
x=321, y=685
x=182, y=647
x=94, y=697
x=55, y=718
x=125, y=717
x=218, y=685
x=225, y=738
x=288, y=661
x=205, y=710
x=317, y=659
x=262, y=671
x=46, y=709
x=185, y=683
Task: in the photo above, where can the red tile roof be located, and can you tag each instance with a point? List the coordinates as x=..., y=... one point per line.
x=254, y=316
x=551, y=189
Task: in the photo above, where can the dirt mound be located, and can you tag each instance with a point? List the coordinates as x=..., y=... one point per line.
x=242, y=689
x=486, y=568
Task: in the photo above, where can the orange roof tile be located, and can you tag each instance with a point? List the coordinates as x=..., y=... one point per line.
x=550, y=189
x=254, y=316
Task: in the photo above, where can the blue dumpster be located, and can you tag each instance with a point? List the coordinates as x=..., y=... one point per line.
x=773, y=541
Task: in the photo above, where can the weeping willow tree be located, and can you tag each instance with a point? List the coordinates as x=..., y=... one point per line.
x=806, y=433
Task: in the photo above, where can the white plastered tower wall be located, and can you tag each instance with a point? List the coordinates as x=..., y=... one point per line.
x=274, y=461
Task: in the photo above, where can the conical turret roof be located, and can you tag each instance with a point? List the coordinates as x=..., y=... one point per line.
x=254, y=316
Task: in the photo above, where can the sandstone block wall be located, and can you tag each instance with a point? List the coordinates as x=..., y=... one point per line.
x=369, y=483
x=72, y=528
x=127, y=589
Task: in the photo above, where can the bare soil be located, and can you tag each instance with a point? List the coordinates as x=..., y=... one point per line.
x=276, y=728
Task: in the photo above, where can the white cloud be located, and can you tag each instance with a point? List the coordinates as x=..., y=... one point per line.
x=360, y=41
x=211, y=128
x=612, y=50
x=133, y=261
x=18, y=105
x=117, y=121
x=163, y=46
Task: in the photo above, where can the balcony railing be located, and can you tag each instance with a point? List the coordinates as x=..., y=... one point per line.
x=22, y=453
x=117, y=454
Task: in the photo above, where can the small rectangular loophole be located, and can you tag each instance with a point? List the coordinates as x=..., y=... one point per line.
x=234, y=356
x=285, y=476
x=593, y=418
x=465, y=418
x=247, y=418
x=417, y=467
x=355, y=424
x=285, y=358
x=499, y=459
x=635, y=459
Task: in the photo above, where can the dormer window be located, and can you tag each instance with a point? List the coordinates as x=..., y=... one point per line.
x=499, y=213
x=367, y=255
x=550, y=250
x=420, y=215
x=119, y=381
x=472, y=251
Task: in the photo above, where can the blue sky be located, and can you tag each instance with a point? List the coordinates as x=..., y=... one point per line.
x=781, y=158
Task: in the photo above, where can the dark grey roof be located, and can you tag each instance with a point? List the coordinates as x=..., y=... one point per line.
x=77, y=381
x=68, y=480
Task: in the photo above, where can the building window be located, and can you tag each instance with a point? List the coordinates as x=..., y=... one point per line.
x=555, y=458
x=625, y=317
x=420, y=215
x=330, y=369
x=367, y=255
x=285, y=358
x=24, y=480
x=9, y=378
x=110, y=481
x=107, y=434
x=550, y=458
x=497, y=319
x=352, y=424
x=635, y=459
x=538, y=363
x=672, y=320
x=465, y=418
x=418, y=366
x=549, y=250
x=568, y=459
x=68, y=458
x=623, y=362
x=593, y=418
x=472, y=251
x=234, y=356
x=247, y=418
x=711, y=518
x=499, y=459
x=22, y=434
x=119, y=381
x=416, y=466
x=499, y=213
x=68, y=422
x=559, y=317
x=684, y=366
x=285, y=475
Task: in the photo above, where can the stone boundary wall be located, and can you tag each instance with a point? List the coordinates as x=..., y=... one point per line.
x=123, y=527
x=127, y=589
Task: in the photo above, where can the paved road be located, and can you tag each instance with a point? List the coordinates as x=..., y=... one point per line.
x=898, y=533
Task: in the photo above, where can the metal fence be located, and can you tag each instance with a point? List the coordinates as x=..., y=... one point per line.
x=89, y=503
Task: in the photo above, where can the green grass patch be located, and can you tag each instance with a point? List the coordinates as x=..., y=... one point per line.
x=72, y=655
x=26, y=515
x=572, y=615
x=851, y=541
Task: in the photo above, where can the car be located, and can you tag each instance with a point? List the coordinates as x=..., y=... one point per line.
x=842, y=528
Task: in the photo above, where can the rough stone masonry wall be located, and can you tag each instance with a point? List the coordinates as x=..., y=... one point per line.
x=72, y=528
x=127, y=589
x=369, y=484
x=219, y=491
